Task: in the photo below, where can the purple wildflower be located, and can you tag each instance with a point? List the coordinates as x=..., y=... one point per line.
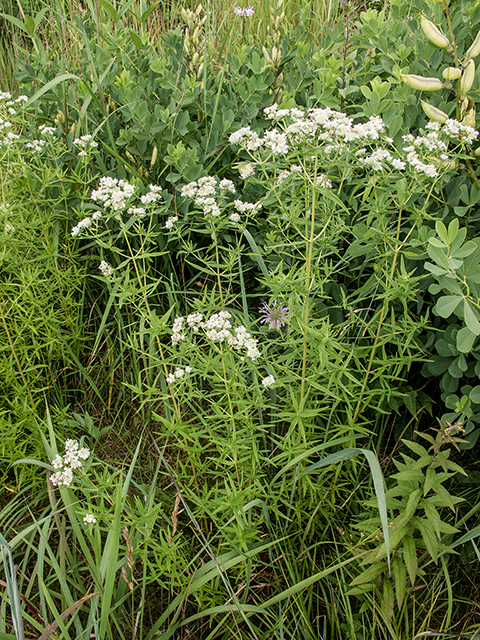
x=276, y=315
x=246, y=12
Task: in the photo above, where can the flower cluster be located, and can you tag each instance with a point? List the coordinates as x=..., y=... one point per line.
x=105, y=269
x=244, y=12
x=177, y=374
x=217, y=329
x=89, y=519
x=72, y=459
x=205, y=191
x=86, y=144
x=113, y=193
x=338, y=131
x=10, y=102
x=268, y=381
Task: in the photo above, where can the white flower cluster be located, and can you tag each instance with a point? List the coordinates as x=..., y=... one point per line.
x=204, y=192
x=217, y=328
x=169, y=224
x=153, y=194
x=268, y=381
x=89, y=519
x=244, y=207
x=36, y=145
x=9, y=139
x=10, y=102
x=178, y=373
x=246, y=170
x=455, y=129
x=337, y=130
x=86, y=144
x=113, y=193
x=324, y=182
x=44, y=130
x=83, y=224
x=72, y=459
x=377, y=159
x=105, y=269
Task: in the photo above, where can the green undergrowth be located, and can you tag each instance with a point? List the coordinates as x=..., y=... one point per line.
x=239, y=324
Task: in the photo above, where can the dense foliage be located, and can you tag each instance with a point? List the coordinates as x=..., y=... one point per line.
x=240, y=287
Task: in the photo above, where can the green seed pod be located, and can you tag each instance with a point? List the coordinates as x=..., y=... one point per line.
x=434, y=34
x=468, y=77
x=437, y=115
x=452, y=73
x=474, y=49
x=421, y=83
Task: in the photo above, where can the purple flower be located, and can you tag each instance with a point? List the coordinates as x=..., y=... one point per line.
x=276, y=315
x=246, y=12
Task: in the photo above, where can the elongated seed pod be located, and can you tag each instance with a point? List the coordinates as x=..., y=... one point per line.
x=434, y=34
x=437, y=115
x=468, y=77
x=421, y=83
x=452, y=73
x=474, y=49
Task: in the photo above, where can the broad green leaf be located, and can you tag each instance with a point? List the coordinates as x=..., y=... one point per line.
x=437, y=243
x=465, y=340
x=452, y=231
x=441, y=230
x=410, y=557
x=474, y=395
x=46, y=87
x=400, y=578
x=446, y=305
x=438, y=256
x=137, y=41
x=370, y=573
x=415, y=447
x=467, y=249
x=433, y=516
x=428, y=535
x=430, y=479
x=110, y=10
x=30, y=25
x=388, y=599
x=470, y=318
x=15, y=21
x=412, y=504
x=454, y=264
x=433, y=268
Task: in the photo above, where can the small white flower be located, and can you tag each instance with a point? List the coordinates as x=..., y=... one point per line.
x=227, y=185
x=170, y=222
x=57, y=462
x=268, y=381
x=246, y=171
x=89, y=519
x=105, y=269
